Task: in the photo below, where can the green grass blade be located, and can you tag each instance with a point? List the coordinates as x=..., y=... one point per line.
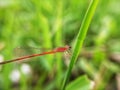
x=80, y=38
x=81, y=83
x=58, y=41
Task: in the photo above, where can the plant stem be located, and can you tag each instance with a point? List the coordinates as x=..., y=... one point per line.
x=80, y=38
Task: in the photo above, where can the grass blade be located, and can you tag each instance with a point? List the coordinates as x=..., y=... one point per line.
x=80, y=38
x=81, y=83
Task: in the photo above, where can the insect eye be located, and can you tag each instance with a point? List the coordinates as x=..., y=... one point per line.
x=70, y=47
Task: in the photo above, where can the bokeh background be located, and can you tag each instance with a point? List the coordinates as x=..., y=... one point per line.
x=31, y=26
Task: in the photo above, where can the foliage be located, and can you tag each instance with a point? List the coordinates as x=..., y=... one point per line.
x=55, y=23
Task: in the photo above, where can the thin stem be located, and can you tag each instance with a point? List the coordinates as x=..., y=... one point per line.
x=80, y=38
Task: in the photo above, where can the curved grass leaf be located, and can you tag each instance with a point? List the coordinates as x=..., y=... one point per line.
x=80, y=38
x=81, y=83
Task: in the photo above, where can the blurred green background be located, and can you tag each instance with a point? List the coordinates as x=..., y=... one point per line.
x=55, y=23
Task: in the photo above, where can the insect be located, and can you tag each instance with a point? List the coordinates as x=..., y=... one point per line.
x=56, y=50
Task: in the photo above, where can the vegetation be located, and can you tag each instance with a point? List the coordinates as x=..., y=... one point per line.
x=30, y=26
